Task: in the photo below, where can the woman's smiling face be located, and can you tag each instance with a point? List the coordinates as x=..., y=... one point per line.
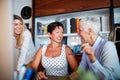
x=57, y=34
x=18, y=26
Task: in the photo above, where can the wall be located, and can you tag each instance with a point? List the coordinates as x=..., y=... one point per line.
x=7, y=9
x=18, y=5
x=6, y=41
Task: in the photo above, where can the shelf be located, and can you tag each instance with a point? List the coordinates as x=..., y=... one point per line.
x=43, y=36
x=99, y=13
x=68, y=19
x=72, y=34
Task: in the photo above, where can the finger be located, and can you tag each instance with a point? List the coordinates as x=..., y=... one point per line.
x=38, y=77
x=42, y=75
x=84, y=44
x=84, y=47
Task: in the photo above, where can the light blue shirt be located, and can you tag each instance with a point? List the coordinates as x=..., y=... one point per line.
x=106, y=66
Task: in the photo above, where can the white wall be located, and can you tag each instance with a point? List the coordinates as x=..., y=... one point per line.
x=18, y=5
x=6, y=41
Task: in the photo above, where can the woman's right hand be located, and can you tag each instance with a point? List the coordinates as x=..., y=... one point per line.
x=41, y=75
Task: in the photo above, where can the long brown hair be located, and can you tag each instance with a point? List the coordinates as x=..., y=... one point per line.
x=19, y=38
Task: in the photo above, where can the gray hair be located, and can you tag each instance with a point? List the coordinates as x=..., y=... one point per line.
x=91, y=22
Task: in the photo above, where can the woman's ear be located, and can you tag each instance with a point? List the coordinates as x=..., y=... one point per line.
x=49, y=34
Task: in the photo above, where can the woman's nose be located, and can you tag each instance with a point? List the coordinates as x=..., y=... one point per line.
x=61, y=34
x=19, y=26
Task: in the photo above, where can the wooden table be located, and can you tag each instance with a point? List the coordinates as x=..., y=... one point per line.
x=57, y=78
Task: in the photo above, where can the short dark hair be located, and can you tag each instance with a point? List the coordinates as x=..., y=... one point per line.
x=53, y=25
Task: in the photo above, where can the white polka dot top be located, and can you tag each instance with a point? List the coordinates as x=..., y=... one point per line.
x=57, y=66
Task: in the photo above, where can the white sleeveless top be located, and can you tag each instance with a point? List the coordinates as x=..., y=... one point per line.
x=57, y=66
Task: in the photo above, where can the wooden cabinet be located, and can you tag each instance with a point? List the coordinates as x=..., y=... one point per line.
x=50, y=7
x=116, y=3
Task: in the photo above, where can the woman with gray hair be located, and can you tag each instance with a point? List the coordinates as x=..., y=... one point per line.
x=99, y=55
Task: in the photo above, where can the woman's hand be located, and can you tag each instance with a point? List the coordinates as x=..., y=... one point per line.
x=41, y=75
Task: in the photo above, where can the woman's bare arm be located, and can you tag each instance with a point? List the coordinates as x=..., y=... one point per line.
x=37, y=59
x=71, y=59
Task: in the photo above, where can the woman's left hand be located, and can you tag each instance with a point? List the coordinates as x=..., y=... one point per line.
x=41, y=75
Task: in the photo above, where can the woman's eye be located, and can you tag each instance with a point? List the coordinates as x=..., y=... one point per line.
x=57, y=31
x=15, y=24
x=21, y=24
